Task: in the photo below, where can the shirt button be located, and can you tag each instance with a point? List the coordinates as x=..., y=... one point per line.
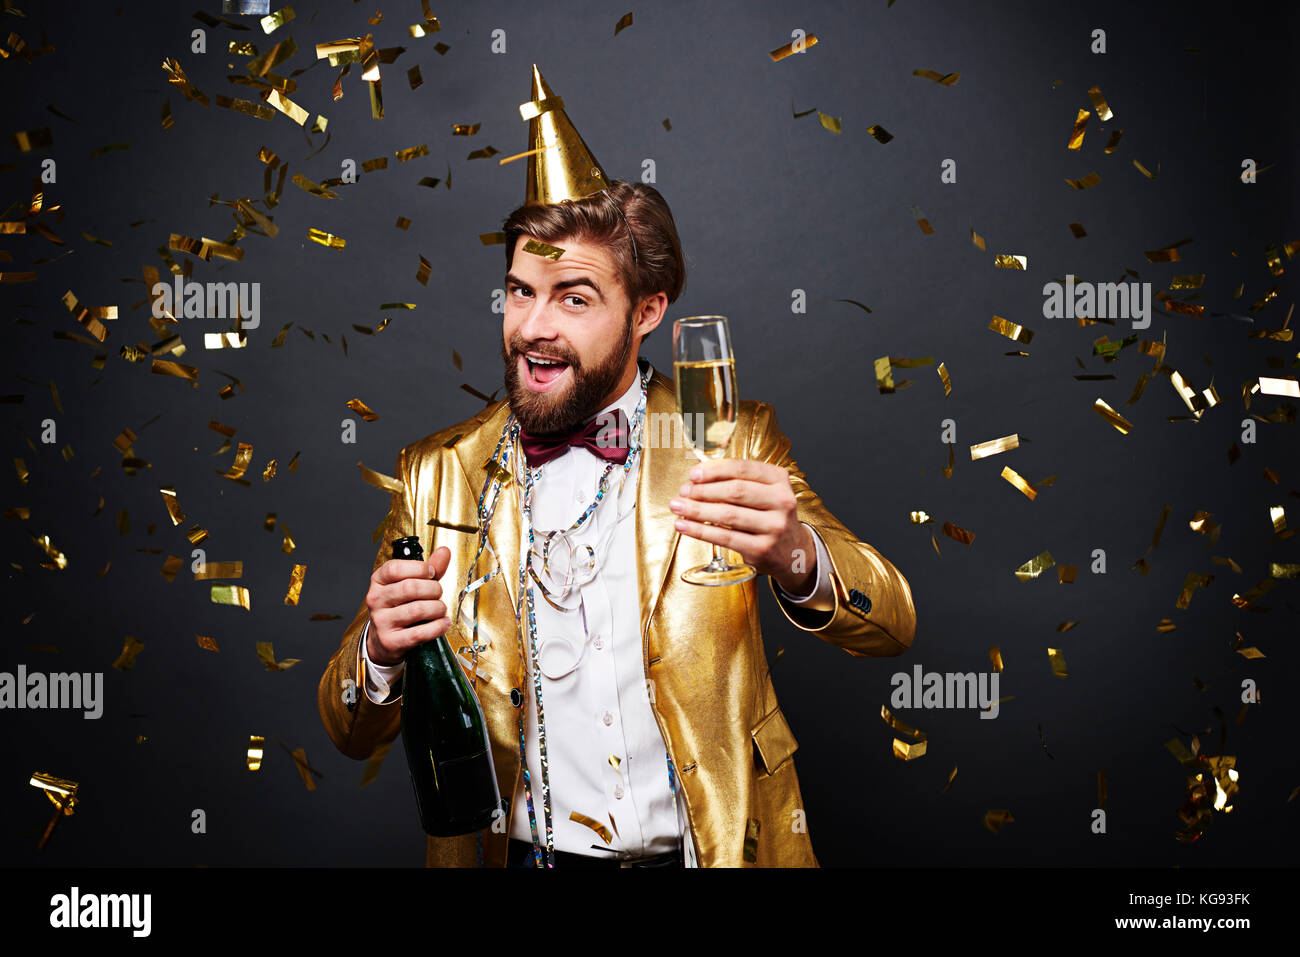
x=618, y=792
x=598, y=642
x=607, y=718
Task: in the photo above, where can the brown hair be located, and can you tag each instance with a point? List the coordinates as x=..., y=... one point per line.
x=659, y=265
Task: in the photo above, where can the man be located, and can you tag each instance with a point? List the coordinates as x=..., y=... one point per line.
x=639, y=704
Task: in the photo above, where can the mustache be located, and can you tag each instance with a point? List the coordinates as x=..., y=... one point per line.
x=521, y=349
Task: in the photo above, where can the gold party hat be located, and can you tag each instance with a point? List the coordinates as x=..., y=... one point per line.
x=561, y=166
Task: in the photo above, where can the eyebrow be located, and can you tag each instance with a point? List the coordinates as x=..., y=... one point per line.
x=565, y=284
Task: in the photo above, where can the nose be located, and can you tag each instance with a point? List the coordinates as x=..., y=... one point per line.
x=536, y=322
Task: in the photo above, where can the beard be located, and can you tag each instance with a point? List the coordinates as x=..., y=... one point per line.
x=560, y=410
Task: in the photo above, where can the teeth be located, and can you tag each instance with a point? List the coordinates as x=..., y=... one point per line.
x=544, y=362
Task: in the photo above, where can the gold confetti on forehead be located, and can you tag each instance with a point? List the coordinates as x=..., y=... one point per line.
x=545, y=250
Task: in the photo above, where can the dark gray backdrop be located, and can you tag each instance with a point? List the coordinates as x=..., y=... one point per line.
x=765, y=204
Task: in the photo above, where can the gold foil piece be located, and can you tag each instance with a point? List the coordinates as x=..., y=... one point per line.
x=295, y=584
x=1080, y=127
x=545, y=250
x=993, y=820
x=994, y=446
x=171, y=565
x=266, y=655
x=942, y=79
x=1010, y=261
x=1014, y=477
x=905, y=751
x=780, y=53
x=943, y=377
x=958, y=534
x=1066, y=574
x=466, y=129
x=1057, y=658
x=1188, y=282
x=1111, y=416
x=274, y=21
x=1012, y=331
x=880, y=134
x=890, y=719
x=131, y=647
x=209, y=570
x=254, y=757
x=1192, y=582
x=57, y=560
x=174, y=510
x=1279, y=570
x=231, y=595
x=977, y=240
x=1078, y=230
x=1277, y=515
x=920, y=518
x=592, y=823
x=243, y=455
x=406, y=155
x=1088, y=182
x=356, y=405
x=624, y=22
x=28, y=140
x=1144, y=171
x=257, y=110
x=381, y=481
x=486, y=152
x=286, y=106
x=884, y=376
x=1286, y=387
x=921, y=220
x=1035, y=566
x=326, y=239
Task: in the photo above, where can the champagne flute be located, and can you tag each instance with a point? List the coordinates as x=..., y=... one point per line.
x=705, y=371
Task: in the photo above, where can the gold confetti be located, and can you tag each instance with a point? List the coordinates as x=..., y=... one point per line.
x=487, y=239
x=942, y=79
x=995, y=656
x=1078, y=230
x=1099, y=104
x=1277, y=515
x=595, y=825
x=890, y=719
x=880, y=134
x=1012, y=331
x=288, y=545
x=1111, y=416
x=28, y=140
x=206, y=643
x=406, y=155
x=1166, y=625
x=171, y=565
x=356, y=405
x=993, y=820
x=1251, y=652
x=1014, y=477
x=951, y=777
x=1080, y=127
x=921, y=518
x=1187, y=282
x=958, y=534
x=224, y=340
x=794, y=46
x=248, y=107
x=243, y=455
x=832, y=123
x=381, y=481
x=255, y=743
x=624, y=22
x=467, y=129
x=1066, y=574
x=884, y=376
x=1057, y=658
x=1144, y=171
x=1192, y=582
x=326, y=239
x=1279, y=570
x=994, y=446
x=905, y=751
x=921, y=220
x=295, y=584
x=422, y=274
x=545, y=250
x=1088, y=182
x=1287, y=387
x=231, y=595
x=266, y=655
x=486, y=152
x=943, y=377
x=1035, y=566
x=1010, y=261
x=209, y=570
x=130, y=648
x=174, y=510
x=58, y=561
x=977, y=240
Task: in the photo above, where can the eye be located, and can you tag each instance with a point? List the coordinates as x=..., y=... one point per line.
x=575, y=300
x=518, y=290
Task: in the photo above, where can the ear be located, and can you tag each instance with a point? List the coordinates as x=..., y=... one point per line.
x=651, y=312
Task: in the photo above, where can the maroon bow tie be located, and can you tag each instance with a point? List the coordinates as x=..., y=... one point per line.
x=605, y=436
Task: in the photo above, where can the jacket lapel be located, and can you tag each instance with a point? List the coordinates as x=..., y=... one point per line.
x=475, y=451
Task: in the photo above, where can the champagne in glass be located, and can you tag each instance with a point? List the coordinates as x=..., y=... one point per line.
x=705, y=371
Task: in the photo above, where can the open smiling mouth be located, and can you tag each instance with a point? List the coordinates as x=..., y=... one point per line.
x=543, y=373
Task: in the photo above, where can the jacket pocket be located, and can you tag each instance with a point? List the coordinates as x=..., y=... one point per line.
x=774, y=742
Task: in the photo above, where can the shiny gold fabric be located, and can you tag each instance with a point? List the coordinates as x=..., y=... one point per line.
x=702, y=647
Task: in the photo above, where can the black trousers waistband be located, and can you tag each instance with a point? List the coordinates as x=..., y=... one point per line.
x=521, y=851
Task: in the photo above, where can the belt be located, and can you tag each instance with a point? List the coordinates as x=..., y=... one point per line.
x=521, y=851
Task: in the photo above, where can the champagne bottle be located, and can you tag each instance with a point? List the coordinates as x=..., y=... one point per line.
x=445, y=735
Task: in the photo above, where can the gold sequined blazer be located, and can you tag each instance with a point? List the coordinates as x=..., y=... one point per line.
x=702, y=648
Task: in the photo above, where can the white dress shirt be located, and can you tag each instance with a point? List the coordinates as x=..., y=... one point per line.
x=606, y=755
